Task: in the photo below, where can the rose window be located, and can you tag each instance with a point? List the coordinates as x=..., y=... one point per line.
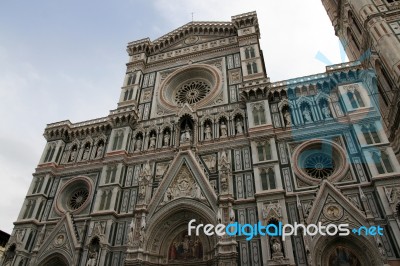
x=319, y=165
x=317, y=159
x=78, y=198
x=74, y=195
x=192, y=92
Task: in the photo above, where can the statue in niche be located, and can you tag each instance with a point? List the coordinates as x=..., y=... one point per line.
x=186, y=134
x=239, y=126
x=100, y=149
x=73, y=154
x=86, y=153
x=138, y=144
x=167, y=137
x=276, y=247
x=92, y=259
x=307, y=114
x=146, y=170
x=168, y=195
x=287, y=117
x=152, y=144
x=224, y=130
x=131, y=233
x=325, y=110
x=185, y=247
x=207, y=132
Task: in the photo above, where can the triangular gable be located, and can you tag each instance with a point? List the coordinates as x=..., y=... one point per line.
x=184, y=171
x=62, y=237
x=185, y=109
x=334, y=204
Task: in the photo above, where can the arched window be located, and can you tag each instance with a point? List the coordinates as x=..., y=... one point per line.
x=370, y=134
x=118, y=138
x=264, y=151
x=249, y=52
x=252, y=68
x=360, y=101
x=249, y=70
x=382, y=162
x=39, y=210
x=268, y=179
x=111, y=174
x=131, y=79
x=255, y=116
x=386, y=162
x=258, y=115
x=105, y=200
x=254, y=65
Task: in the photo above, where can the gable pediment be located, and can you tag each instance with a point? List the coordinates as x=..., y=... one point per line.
x=184, y=179
x=330, y=206
x=62, y=239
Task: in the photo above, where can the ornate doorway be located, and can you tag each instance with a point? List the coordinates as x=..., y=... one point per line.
x=343, y=256
x=348, y=251
x=55, y=260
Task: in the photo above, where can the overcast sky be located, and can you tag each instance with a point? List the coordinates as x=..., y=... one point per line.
x=66, y=60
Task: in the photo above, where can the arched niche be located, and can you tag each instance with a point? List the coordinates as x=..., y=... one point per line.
x=169, y=242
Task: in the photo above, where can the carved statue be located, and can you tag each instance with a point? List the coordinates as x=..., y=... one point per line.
x=287, y=117
x=239, y=126
x=224, y=130
x=207, y=132
x=152, y=144
x=232, y=215
x=168, y=195
x=325, y=110
x=86, y=153
x=146, y=170
x=92, y=259
x=167, y=136
x=307, y=114
x=131, y=233
x=100, y=150
x=73, y=155
x=186, y=135
x=276, y=248
x=138, y=144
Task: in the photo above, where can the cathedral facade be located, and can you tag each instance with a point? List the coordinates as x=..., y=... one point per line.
x=201, y=133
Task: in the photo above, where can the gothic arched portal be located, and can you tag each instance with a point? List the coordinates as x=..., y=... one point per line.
x=55, y=260
x=169, y=237
x=349, y=250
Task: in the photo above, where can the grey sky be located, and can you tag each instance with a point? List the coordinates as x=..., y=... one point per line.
x=66, y=60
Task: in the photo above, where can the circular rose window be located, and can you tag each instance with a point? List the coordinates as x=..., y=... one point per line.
x=78, y=198
x=194, y=84
x=192, y=92
x=74, y=195
x=315, y=160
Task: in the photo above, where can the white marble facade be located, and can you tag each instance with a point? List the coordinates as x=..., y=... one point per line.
x=201, y=133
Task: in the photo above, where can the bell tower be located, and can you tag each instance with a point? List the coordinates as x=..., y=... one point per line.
x=370, y=32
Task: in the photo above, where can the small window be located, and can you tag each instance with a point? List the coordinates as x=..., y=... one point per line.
x=268, y=179
x=258, y=115
x=252, y=68
x=382, y=163
x=131, y=79
x=249, y=52
x=370, y=134
x=264, y=151
x=355, y=99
